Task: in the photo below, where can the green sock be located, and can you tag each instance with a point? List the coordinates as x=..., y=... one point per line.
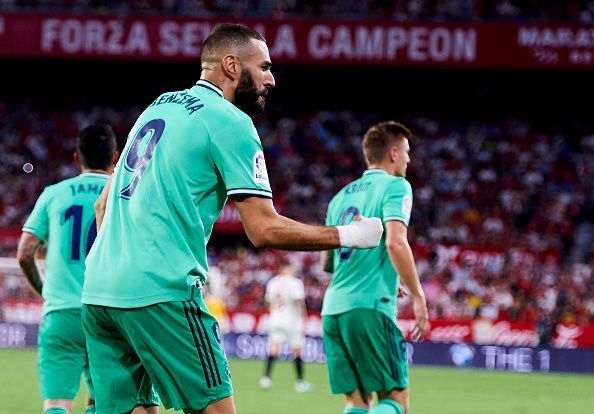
x=355, y=410
x=387, y=406
x=90, y=409
x=55, y=410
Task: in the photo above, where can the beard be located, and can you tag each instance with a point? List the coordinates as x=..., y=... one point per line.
x=247, y=96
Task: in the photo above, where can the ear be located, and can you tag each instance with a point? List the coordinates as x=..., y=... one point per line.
x=393, y=153
x=231, y=67
x=115, y=158
x=76, y=157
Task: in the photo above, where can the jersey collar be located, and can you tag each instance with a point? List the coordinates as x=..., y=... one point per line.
x=94, y=174
x=209, y=85
x=375, y=171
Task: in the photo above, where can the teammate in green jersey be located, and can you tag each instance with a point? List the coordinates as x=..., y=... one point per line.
x=365, y=350
x=146, y=324
x=64, y=218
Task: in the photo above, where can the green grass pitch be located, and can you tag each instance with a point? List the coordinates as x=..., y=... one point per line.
x=433, y=390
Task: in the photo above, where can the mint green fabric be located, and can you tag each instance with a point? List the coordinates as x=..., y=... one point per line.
x=387, y=406
x=355, y=410
x=188, y=151
x=366, y=278
x=64, y=218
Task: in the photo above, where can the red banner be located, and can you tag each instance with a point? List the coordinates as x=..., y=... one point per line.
x=9, y=236
x=493, y=45
x=478, y=331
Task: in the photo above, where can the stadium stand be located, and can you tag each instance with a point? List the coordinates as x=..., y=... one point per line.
x=488, y=185
x=509, y=183
x=400, y=10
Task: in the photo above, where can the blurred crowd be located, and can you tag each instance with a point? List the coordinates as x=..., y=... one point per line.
x=521, y=288
x=458, y=10
x=506, y=183
x=487, y=184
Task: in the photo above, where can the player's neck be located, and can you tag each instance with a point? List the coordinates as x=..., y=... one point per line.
x=382, y=167
x=94, y=171
x=226, y=85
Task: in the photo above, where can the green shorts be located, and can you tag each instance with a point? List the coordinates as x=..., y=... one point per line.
x=62, y=355
x=173, y=348
x=365, y=350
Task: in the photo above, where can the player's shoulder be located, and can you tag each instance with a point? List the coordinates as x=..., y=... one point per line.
x=272, y=281
x=51, y=192
x=298, y=282
x=232, y=117
x=397, y=182
x=344, y=191
x=71, y=184
x=217, y=107
x=56, y=188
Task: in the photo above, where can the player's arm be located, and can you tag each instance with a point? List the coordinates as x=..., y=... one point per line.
x=101, y=203
x=403, y=261
x=302, y=308
x=266, y=228
x=28, y=246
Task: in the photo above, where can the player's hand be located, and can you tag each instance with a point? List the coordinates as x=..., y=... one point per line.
x=421, y=318
x=361, y=233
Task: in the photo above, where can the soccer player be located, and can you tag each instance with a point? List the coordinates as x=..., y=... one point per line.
x=364, y=347
x=64, y=218
x=285, y=296
x=143, y=314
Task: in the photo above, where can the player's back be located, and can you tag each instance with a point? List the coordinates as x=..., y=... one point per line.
x=64, y=217
x=366, y=278
x=283, y=293
x=165, y=195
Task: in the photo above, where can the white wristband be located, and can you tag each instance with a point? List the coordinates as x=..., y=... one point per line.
x=348, y=235
x=365, y=233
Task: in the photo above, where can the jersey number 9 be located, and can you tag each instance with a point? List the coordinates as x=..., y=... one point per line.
x=149, y=134
x=348, y=215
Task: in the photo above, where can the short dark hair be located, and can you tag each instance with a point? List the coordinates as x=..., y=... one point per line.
x=380, y=137
x=96, y=145
x=285, y=262
x=226, y=35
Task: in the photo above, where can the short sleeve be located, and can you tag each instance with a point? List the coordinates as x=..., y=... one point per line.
x=37, y=223
x=299, y=292
x=398, y=201
x=329, y=221
x=238, y=155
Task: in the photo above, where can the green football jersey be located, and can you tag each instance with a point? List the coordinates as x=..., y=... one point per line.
x=186, y=153
x=366, y=278
x=64, y=217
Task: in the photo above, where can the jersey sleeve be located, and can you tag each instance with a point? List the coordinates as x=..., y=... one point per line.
x=238, y=155
x=329, y=221
x=38, y=221
x=299, y=292
x=398, y=200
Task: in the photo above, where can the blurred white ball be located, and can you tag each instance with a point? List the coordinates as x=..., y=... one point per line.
x=27, y=167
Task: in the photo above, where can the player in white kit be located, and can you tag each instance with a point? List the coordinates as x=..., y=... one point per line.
x=285, y=297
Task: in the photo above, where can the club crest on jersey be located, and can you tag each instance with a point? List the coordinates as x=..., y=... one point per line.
x=406, y=205
x=260, y=173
